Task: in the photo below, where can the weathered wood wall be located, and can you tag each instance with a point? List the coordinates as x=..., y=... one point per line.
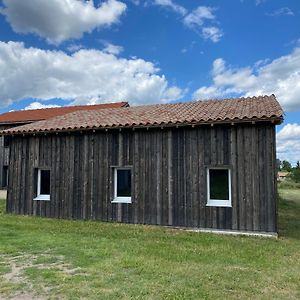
x=169, y=175
x=4, y=153
x=4, y=156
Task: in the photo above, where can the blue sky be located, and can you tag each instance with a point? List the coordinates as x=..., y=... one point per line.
x=64, y=52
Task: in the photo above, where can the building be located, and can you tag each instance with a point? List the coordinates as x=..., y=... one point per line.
x=22, y=117
x=282, y=176
x=205, y=164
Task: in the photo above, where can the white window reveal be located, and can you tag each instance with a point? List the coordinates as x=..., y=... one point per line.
x=219, y=187
x=43, y=185
x=122, y=185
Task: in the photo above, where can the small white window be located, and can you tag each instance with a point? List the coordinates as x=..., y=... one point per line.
x=219, y=187
x=122, y=185
x=43, y=185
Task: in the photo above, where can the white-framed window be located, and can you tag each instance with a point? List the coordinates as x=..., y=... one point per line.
x=219, y=186
x=43, y=185
x=122, y=185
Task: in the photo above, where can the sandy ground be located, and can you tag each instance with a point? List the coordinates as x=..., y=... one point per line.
x=2, y=194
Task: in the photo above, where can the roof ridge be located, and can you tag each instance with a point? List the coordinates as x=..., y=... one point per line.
x=66, y=106
x=31, y=115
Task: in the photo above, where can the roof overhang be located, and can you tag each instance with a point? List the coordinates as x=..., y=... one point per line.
x=253, y=121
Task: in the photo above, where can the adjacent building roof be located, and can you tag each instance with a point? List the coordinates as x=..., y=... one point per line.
x=283, y=174
x=28, y=116
x=263, y=108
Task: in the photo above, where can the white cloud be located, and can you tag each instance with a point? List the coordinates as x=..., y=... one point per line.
x=212, y=33
x=112, y=49
x=196, y=19
x=75, y=47
x=205, y=92
x=288, y=143
x=283, y=11
x=87, y=76
x=280, y=76
x=198, y=16
x=60, y=20
x=289, y=132
x=172, y=5
x=38, y=105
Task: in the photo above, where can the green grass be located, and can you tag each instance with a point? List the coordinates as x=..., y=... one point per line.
x=288, y=184
x=83, y=259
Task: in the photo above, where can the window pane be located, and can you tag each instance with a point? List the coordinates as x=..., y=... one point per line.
x=218, y=184
x=45, y=182
x=123, y=183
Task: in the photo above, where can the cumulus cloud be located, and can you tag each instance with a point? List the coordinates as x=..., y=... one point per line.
x=87, y=76
x=288, y=143
x=283, y=11
x=280, y=76
x=196, y=19
x=60, y=20
x=289, y=132
x=38, y=105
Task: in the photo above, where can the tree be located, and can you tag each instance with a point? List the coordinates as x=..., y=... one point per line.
x=295, y=175
x=286, y=166
x=298, y=165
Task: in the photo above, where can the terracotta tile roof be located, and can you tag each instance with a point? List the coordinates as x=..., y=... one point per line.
x=282, y=174
x=27, y=116
x=199, y=112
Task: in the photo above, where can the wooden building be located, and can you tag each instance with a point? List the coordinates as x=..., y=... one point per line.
x=205, y=164
x=22, y=117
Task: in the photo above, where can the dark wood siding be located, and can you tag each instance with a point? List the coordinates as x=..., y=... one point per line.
x=4, y=154
x=168, y=172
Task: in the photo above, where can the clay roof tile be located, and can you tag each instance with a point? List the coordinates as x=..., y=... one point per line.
x=197, y=112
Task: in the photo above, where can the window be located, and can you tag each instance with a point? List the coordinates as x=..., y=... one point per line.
x=218, y=187
x=122, y=185
x=43, y=185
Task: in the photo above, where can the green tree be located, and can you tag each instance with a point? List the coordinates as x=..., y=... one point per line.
x=295, y=175
x=298, y=165
x=286, y=166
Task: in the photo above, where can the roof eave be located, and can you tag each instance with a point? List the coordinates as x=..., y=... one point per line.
x=273, y=120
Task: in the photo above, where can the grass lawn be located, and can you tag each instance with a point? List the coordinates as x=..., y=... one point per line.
x=57, y=259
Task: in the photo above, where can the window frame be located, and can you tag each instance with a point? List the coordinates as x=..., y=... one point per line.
x=43, y=197
x=218, y=202
x=116, y=198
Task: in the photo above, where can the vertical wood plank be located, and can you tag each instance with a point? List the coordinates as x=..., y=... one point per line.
x=170, y=178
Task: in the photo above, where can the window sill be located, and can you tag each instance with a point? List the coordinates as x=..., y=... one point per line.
x=42, y=198
x=122, y=200
x=218, y=203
